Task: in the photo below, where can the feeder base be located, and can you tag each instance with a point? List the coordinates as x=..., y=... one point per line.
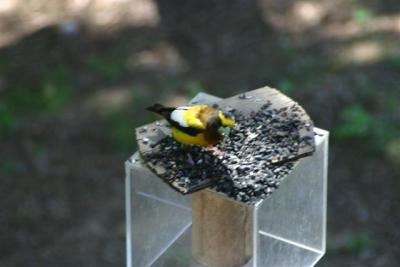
x=288, y=228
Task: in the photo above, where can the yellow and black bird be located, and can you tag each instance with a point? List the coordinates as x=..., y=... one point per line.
x=200, y=125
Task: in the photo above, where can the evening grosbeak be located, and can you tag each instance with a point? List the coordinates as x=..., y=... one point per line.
x=200, y=125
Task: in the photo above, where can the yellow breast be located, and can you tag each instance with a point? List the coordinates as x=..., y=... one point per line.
x=184, y=138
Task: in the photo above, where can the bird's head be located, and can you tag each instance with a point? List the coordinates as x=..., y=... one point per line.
x=221, y=122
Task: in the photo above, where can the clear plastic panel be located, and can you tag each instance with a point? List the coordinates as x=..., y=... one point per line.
x=156, y=215
x=303, y=191
x=294, y=217
x=275, y=252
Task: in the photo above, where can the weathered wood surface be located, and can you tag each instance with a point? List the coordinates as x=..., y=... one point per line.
x=251, y=101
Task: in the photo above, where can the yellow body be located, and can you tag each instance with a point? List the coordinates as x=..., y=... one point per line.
x=196, y=117
x=184, y=138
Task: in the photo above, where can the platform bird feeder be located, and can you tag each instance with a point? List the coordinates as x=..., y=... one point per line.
x=260, y=201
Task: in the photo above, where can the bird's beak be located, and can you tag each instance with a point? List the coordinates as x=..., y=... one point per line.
x=225, y=131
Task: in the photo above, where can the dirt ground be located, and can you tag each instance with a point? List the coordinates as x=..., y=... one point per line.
x=75, y=77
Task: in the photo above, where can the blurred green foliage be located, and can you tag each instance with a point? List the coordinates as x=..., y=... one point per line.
x=57, y=89
x=119, y=130
x=394, y=61
x=48, y=97
x=7, y=121
x=109, y=66
x=192, y=88
x=356, y=123
x=393, y=149
x=354, y=244
x=362, y=16
x=357, y=243
x=120, y=122
x=4, y=63
x=385, y=130
x=8, y=167
x=285, y=86
x=376, y=134
x=39, y=149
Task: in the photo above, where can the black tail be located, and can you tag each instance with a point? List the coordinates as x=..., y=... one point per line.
x=160, y=109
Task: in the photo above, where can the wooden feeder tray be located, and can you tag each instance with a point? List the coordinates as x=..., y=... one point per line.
x=271, y=133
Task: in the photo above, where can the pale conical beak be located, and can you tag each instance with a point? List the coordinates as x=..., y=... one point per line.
x=225, y=131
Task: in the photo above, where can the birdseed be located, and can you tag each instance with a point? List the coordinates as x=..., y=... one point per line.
x=248, y=166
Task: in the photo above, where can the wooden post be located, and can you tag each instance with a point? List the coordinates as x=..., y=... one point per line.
x=222, y=230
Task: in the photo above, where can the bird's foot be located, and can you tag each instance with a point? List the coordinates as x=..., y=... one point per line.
x=215, y=151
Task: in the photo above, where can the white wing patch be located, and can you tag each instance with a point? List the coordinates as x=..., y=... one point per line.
x=177, y=115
